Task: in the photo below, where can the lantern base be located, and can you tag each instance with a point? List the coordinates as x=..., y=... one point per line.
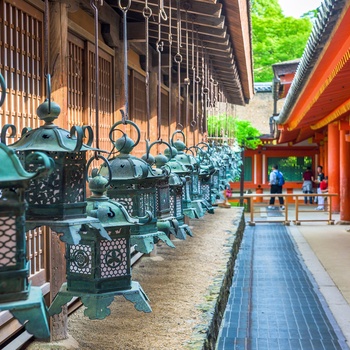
x=69, y=228
x=207, y=206
x=171, y=226
x=32, y=313
x=145, y=243
x=191, y=213
x=187, y=230
x=197, y=205
x=97, y=304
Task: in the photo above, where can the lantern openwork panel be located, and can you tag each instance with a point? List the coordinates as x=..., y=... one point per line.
x=62, y=195
x=13, y=263
x=163, y=198
x=97, y=265
x=138, y=199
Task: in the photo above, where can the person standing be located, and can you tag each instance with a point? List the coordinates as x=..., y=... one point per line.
x=308, y=178
x=323, y=189
x=318, y=180
x=275, y=187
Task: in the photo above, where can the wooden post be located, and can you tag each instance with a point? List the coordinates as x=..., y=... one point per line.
x=58, y=69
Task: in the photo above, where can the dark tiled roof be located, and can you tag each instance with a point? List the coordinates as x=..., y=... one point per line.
x=263, y=87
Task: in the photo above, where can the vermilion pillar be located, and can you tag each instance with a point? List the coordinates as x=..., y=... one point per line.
x=344, y=166
x=333, y=163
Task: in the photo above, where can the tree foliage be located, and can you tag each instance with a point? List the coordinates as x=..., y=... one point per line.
x=276, y=38
x=226, y=126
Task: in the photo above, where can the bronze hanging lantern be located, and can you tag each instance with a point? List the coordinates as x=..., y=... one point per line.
x=206, y=171
x=99, y=267
x=25, y=302
x=133, y=184
x=59, y=201
x=166, y=220
x=177, y=183
x=193, y=186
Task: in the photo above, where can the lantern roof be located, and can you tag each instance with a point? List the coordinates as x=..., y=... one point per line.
x=12, y=173
x=51, y=138
x=110, y=213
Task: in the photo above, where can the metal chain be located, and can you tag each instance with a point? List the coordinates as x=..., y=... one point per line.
x=170, y=39
x=187, y=81
x=178, y=60
x=193, y=122
x=97, y=72
x=147, y=13
x=202, y=90
x=160, y=47
x=197, y=78
x=124, y=9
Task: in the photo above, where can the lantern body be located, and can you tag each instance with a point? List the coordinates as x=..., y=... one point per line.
x=133, y=185
x=62, y=195
x=97, y=265
x=26, y=303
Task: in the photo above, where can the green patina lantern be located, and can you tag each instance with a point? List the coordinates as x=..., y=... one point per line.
x=206, y=172
x=133, y=184
x=216, y=186
x=25, y=302
x=193, y=186
x=184, y=173
x=99, y=267
x=58, y=201
x=177, y=185
x=166, y=220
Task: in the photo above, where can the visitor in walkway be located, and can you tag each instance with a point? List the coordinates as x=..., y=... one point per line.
x=318, y=180
x=323, y=189
x=275, y=175
x=308, y=178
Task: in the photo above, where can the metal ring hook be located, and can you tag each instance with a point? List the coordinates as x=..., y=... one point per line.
x=124, y=8
x=162, y=12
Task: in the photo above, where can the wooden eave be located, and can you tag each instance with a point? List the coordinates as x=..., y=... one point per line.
x=324, y=97
x=224, y=32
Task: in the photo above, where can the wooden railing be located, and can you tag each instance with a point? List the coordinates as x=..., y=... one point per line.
x=293, y=209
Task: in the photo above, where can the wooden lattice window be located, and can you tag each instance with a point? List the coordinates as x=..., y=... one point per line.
x=22, y=65
x=75, y=81
x=138, y=113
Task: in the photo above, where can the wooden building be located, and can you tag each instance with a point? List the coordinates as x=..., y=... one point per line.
x=317, y=105
x=205, y=55
x=312, y=127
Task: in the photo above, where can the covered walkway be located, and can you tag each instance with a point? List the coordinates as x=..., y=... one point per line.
x=275, y=302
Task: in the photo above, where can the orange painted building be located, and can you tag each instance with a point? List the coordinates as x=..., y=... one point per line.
x=317, y=106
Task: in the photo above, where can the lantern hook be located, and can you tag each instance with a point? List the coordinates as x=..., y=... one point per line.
x=3, y=90
x=159, y=142
x=4, y=132
x=178, y=132
x=95, y=171
x=78, y=131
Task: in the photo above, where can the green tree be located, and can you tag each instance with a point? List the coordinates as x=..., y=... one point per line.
x=276, y=38
x=246, y=135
